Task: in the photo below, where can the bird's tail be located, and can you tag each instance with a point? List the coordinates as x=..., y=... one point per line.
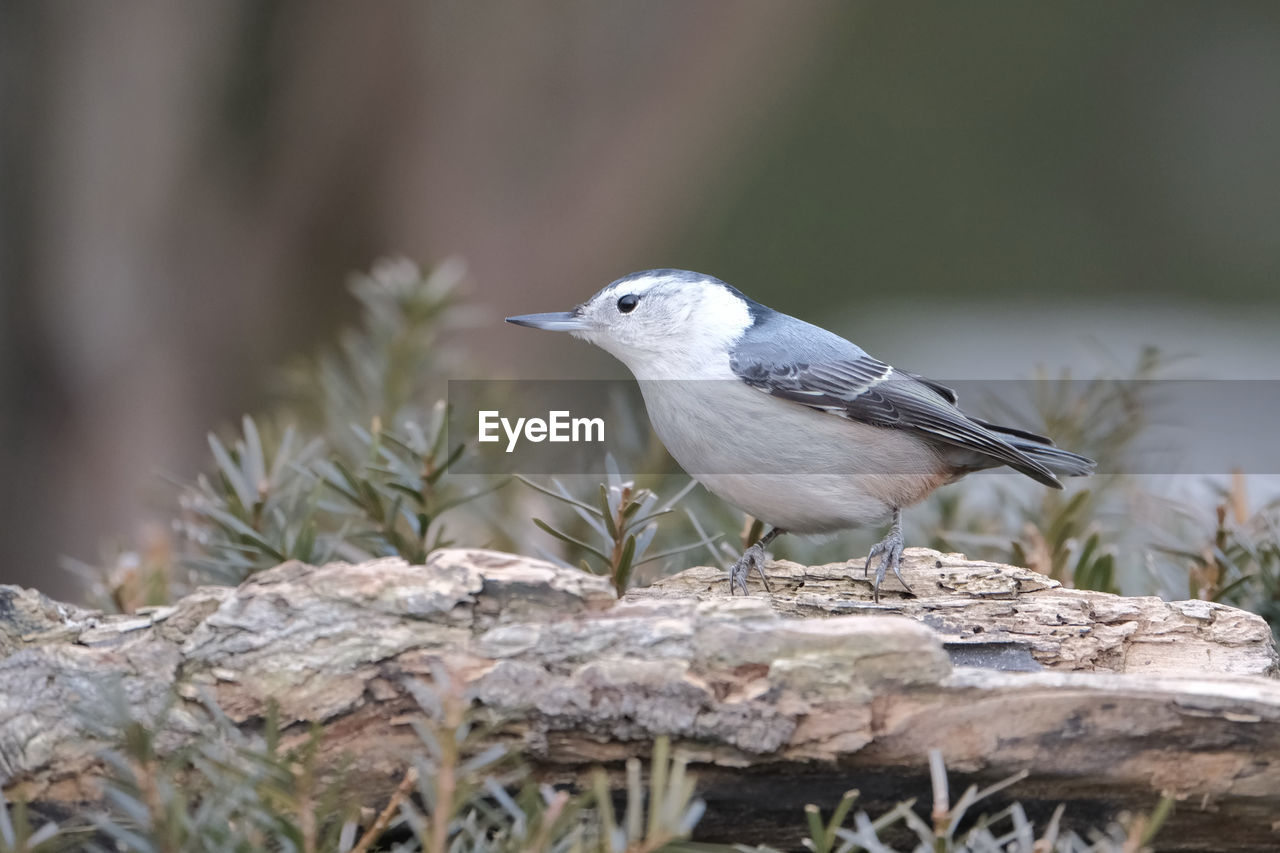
x=1041, y=449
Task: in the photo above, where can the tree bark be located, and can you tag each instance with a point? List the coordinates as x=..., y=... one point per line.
x=1107, y=702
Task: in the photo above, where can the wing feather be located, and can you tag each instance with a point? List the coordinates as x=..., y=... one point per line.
x=865, y=389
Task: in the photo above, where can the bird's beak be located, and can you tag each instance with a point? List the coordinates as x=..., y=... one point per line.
x=555, y=321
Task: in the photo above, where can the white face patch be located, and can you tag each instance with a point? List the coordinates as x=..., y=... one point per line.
x=681, y=327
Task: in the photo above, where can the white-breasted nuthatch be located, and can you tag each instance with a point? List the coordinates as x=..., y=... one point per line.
x=786, y=421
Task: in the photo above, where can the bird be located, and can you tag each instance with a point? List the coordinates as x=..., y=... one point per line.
x=788, y=422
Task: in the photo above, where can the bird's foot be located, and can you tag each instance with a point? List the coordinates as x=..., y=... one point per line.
x=889, y=550
x=753, y=557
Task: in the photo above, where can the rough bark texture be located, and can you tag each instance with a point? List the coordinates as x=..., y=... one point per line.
x=1106, y=701
x=996, y=615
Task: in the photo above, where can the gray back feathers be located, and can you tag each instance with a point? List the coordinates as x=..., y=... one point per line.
x=794, y=360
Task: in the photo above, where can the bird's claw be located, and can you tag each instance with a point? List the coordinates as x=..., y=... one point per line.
x=889, y=550
x=751, y=558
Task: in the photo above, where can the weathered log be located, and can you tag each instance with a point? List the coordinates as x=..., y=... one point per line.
x=1014, y=618
x=1126, y=698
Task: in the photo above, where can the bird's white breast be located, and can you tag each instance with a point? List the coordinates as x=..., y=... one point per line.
x=792, y=467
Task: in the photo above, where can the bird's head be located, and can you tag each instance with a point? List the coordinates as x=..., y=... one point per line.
x=657, y=321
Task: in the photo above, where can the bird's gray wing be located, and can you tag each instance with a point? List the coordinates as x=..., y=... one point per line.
x=953, y=398
x=857, y=386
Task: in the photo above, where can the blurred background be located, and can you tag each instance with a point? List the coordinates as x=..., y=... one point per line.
x=968, y=191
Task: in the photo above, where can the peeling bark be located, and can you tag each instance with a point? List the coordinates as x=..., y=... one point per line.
x=795, y=698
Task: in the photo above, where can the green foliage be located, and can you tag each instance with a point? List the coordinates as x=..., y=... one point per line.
x=482, y=800
x=673, y=810
x=1068, y=535
x=1105, y=414
x=265, y=504
x=391, y=504
x=351, y=465
x=1063, y=534
x=1067, y=545
x=1230, y=553
x=256, y=509
x=235, y=792
x=388, y=367
x=231, y=791
x=1236, y=558
x=347, y=489
x=621, y=525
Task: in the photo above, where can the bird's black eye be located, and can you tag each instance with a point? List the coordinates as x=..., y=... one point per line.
x=628, y=303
